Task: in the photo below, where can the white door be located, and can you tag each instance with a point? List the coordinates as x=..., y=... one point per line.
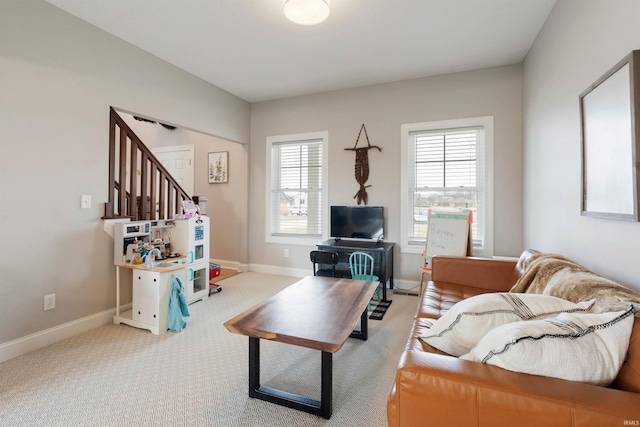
x=179, y=162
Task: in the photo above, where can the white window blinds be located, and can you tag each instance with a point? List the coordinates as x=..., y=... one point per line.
x=447, y=174
x=296, y=188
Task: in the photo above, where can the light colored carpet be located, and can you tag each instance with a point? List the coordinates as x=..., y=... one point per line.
x=116, y=375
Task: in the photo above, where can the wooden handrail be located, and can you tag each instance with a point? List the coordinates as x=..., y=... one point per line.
x=140, y=187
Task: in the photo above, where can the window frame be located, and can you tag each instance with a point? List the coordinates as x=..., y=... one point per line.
x=291, y=239
x=408, y=171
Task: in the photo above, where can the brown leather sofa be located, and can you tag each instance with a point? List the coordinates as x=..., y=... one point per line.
x=433, y=388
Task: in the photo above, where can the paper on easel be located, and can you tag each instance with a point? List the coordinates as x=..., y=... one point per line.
x=448, y=234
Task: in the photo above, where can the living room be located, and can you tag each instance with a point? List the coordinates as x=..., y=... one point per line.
x=61, y=75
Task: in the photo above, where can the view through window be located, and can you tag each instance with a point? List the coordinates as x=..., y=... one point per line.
x=296, y=195
x=446, y=170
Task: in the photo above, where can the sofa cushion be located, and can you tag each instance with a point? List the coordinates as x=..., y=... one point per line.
x=438, y=298
x=420, y=325
x=585, y=347
x=465, y=323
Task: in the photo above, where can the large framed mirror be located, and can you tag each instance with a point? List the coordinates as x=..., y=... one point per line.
x=610, y=127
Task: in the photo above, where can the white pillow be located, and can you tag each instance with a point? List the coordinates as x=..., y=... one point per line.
x=460, y=328
x=582, y=347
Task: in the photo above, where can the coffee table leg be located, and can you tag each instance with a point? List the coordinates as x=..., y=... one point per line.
x=363, y=333
x=326, y=385
x=291, y=400
x=254, y=366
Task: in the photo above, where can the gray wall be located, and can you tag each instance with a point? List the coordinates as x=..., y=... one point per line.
x=59, y=76
x=383, y=108
x=581, y=40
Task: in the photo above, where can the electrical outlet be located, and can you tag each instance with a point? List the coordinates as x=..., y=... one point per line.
x=286, y=253
x=49, y=302
x=85, y=201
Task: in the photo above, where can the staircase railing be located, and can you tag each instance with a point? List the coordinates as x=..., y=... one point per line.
x=140, y=187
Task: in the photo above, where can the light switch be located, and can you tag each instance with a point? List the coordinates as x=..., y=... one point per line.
x=85, y=201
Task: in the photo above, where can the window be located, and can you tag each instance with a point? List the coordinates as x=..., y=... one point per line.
x=296, y=182
x=448, y=167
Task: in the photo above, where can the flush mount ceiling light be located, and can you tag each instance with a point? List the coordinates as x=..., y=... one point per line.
x=306, y=12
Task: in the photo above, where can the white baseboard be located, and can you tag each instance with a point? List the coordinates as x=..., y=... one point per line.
x=231, y=265
x=35, y=341
x=281, y=271
x=406, y=286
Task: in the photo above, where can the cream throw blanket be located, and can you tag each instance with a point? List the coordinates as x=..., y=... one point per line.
x=561, y=277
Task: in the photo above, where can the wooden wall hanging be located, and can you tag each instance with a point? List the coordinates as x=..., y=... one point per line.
x=362, y=166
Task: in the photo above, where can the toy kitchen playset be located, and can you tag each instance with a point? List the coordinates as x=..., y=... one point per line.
x=154, y=251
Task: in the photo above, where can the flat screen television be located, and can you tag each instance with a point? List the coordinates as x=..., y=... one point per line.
x=357, y=222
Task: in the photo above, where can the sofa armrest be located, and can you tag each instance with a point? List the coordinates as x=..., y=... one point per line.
x=433, y=389
x=491, y=274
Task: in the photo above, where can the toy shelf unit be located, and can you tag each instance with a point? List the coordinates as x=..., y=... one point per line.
x=190, y=237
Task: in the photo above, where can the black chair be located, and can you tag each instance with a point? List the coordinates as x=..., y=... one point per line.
x=324, y=258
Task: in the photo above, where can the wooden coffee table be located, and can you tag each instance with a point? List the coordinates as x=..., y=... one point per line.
x=321, y=313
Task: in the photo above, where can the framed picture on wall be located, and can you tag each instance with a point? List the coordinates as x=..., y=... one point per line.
x=610, y=128
x=219, y=167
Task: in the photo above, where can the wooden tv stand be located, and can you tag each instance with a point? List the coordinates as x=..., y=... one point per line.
x=382, y=253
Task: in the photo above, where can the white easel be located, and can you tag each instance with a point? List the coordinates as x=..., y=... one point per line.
x=448, y=233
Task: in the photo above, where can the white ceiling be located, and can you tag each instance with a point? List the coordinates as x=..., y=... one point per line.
x=250, y=49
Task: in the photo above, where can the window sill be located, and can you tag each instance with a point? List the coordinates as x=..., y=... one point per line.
x=302, y=241
x=419, y=249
